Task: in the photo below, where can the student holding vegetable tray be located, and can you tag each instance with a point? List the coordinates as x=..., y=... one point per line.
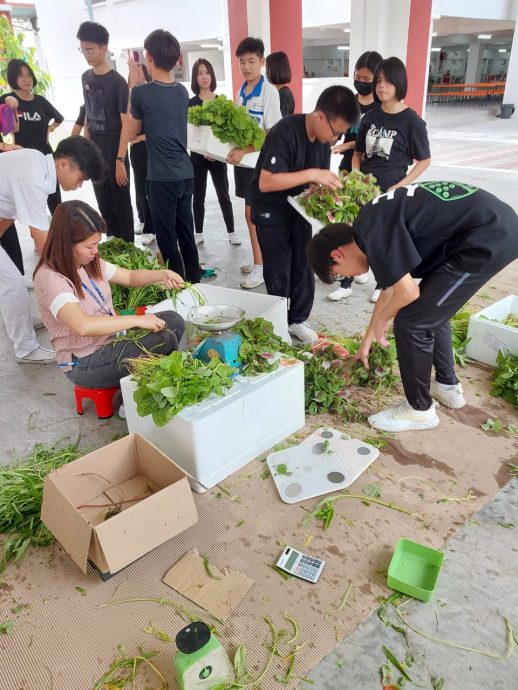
x=72, y=286
x=454, y=237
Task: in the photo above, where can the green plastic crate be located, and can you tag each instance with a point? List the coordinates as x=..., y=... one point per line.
x=414, y=569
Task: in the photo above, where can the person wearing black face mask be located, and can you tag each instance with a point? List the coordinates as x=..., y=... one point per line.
x=363, y=83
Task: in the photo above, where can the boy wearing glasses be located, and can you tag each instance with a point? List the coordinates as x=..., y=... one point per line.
x=106, y=97
x=296, y=153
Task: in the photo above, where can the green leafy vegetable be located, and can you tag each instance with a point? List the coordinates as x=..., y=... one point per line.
x=166, y=385
x=341, y=205
x=491, y=425
x=282, y=468
x=21, y=495
x=6, y=627
x=229, y=123
x=372, y=490
x=505, y=378
x=81, y=590
x=381, y=364
x=208, y=569
x=325, y=389
x=259, y=347
x=459, y=335
x=124, y=670
x=393, y=660
x=159, y=634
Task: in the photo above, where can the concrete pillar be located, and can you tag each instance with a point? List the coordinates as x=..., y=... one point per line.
x=288, y=13
x=395, y=28
x=473, y=67
x=237, y=29
x=6, y=11
x=258, y=12
x=511, y=84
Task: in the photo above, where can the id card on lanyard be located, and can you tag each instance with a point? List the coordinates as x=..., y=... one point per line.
x=98, y=297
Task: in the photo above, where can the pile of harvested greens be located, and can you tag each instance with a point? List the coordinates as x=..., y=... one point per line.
x=340, y=205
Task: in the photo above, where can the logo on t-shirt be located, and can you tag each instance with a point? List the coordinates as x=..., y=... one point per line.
x=448, y=191
x=378, y=141
x=35, y=117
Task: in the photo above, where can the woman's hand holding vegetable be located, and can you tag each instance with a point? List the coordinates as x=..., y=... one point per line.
x=150, y=322
x=172, y=280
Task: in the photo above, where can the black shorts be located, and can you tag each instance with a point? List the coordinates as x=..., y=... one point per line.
x=243, y=181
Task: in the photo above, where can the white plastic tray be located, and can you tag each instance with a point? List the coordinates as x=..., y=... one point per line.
x=487, y=337
x=316, y=225
x=202, y=140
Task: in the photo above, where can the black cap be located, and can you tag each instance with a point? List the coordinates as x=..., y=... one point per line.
x=193, y=637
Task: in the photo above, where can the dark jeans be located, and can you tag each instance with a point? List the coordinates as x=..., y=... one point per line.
x=423, y=330
x=138, y=158
x=285, y=268
x=114, y=201
x=170, y=204
x=346, y=282
x=218, y=173
x=105, y=367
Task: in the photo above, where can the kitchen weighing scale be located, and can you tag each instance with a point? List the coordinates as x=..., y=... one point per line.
x=326, y=461
x=222, y=342
x=201, y=662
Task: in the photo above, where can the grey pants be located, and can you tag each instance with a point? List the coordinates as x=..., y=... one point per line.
x=106, y=366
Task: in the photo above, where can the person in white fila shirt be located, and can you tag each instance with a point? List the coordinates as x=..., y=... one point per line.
x=27, y=177
x=261, y=100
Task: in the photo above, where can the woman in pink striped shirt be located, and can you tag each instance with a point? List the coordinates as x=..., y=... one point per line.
x=72, y=286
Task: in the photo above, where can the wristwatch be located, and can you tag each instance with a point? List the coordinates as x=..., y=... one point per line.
x=121, y=158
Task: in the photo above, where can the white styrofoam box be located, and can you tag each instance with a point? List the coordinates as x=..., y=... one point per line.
x=316, y=225
x=254, y=304
x=201, y=140
x=212, y=440
x=486, y=337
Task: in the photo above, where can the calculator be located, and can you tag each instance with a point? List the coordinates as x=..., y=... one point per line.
x=300, y=564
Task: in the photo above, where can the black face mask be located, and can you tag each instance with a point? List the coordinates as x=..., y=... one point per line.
x=364, y=88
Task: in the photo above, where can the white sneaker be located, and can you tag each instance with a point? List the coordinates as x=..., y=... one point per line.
x=403, y=417
x=233, y=238
x=198, y=237
x=303, y=332
x=450, y=396
x=375, y=296
x=147, y=238
x=361, y=279
x=246, y=268
x=139, y=228
x=37, y=323
x=41, y=355
x=339, y=293
x=254, y=279
x=27, y=281
x=122, y=412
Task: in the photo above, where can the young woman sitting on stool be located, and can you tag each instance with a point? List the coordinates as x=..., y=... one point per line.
x=72, y=286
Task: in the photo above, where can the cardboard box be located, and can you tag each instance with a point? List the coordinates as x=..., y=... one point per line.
x=486, y=336
x=152, y=492
x=254, y=304
x=201, y=140
x=217, y=437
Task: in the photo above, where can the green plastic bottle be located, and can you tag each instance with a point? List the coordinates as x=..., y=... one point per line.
x=201, y=662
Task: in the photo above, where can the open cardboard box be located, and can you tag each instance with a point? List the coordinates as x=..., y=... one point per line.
x=148, y=493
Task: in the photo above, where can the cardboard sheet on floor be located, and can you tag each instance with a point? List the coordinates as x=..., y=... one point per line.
x=217, y=596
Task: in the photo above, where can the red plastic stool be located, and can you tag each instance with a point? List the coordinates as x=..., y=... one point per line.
x=101, y=397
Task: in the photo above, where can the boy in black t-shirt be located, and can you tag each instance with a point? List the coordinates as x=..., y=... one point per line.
x=106, y=97
x=160, y=109
x=454, y=237
x=296, y=153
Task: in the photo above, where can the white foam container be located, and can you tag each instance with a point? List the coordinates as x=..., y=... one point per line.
x=212, y=440
x=269, y=307
x=487, y=337
x=200, y=139
x=316, y=225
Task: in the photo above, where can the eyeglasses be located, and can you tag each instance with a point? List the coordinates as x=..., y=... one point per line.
x=336, y=135
x=87, y=52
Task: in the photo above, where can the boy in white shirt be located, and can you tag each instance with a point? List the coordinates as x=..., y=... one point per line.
x=27, y=177
x=261, y=100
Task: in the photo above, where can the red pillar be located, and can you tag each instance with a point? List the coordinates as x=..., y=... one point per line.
x=417, y=53
x=286, y=35
x=237, y=29
x=5, y=13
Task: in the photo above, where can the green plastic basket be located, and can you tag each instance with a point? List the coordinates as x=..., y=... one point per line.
x=414, y=569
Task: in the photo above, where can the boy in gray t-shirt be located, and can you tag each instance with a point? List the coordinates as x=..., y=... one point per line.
x=160, y=109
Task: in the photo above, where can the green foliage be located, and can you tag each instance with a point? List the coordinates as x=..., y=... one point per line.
x=259, y=346
x=381, y=365
x=505, y=378
x=459, y=336
x=21, y=495
x=229, y=123
x=324, y=388
x=341, y=205
x=165, y=385
x=11, y=47
x=124, y=670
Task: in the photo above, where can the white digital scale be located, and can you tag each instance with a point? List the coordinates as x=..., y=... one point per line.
x=326, y=461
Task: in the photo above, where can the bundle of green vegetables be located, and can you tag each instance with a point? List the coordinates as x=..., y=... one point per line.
x=340, y=205
x=168, y=384
x=459, y=335
x=381, y=367
x=259, y=346
x=21, y=495
x=505, y=378
x=229, y=123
